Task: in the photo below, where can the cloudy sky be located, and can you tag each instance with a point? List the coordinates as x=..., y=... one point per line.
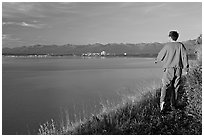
x=25, y=24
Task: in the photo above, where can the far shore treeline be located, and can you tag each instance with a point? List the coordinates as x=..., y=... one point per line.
x=97, y=49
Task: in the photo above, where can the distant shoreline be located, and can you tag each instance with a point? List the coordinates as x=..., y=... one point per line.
x=59, y=55
x=190, y=56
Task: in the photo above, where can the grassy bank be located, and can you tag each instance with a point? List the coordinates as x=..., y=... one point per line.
x=142, y=116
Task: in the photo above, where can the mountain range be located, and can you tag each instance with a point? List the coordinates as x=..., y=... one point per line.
x=151, y=49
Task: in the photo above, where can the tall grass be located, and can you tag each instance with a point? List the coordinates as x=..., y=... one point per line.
x=194, y=91
x=139, y=114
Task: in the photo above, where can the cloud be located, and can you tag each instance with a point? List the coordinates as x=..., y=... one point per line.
x=4, y=36
x=11, y=9
x=9, y=39
x=32, y=25
x=24, y=24
x=36, y=9
x=151, y=8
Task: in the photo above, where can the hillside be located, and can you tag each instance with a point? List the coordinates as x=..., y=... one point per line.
x=142, y=117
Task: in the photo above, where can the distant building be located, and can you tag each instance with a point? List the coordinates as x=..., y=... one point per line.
x=103, y=53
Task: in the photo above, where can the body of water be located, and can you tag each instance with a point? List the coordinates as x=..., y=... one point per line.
x=36, y=90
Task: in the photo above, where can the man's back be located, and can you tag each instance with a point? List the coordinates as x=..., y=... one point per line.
x=173, y=55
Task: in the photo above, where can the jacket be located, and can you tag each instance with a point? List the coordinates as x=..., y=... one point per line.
x=174, y=55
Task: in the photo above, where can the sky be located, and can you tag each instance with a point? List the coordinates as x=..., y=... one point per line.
x=47, y=23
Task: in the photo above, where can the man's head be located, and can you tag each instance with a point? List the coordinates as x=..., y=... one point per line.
x=173, y=35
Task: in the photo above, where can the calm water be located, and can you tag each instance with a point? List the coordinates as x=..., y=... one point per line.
x=36, y=90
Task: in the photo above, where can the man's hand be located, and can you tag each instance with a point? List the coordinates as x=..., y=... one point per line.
x=155, y=61
x=185, y=72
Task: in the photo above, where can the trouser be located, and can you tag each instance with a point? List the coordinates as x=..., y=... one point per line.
x=170, y=85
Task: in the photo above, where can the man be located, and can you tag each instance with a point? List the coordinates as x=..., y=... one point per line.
x=174, y=58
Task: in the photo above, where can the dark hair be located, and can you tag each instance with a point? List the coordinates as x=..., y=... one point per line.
x=174, y=35
x=199, y=40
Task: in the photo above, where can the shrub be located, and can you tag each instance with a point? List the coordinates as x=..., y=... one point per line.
x=194, y=91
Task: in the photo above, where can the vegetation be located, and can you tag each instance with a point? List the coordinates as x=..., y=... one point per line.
x=142, y=116
x=194, y=91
